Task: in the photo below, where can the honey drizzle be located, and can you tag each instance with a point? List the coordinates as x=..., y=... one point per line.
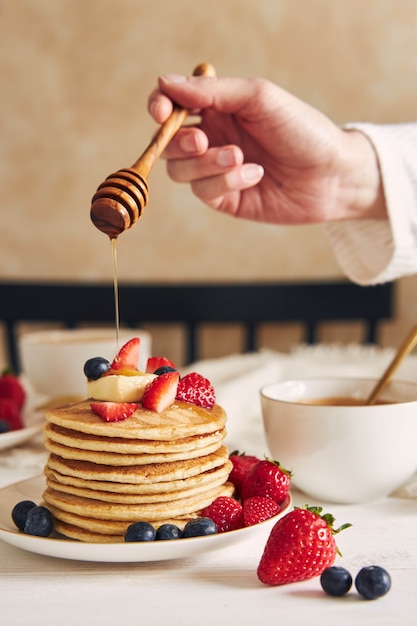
x=116, y=289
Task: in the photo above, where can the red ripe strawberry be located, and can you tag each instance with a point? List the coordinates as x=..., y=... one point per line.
x=12, y=388
x=10, y=414
x=155, y=362
x=196, y=389
x=242, y=463
x=268, y=479
x=258, y=509
x=300, y=546
x=128, y=356
x=160, y=392
x=113, y=411
x=226, y=512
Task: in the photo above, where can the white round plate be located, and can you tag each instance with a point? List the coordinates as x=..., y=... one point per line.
x=61, y=547
x=34, y=423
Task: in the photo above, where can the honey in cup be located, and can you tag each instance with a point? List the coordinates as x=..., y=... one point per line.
x=342, y=401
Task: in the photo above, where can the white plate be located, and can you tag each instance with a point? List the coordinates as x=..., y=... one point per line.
x=32, y=489
x=33, y=421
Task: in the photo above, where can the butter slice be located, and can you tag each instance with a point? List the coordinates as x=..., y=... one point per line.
x=116, y=388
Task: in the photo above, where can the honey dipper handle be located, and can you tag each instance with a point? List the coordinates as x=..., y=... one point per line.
x=166, y=132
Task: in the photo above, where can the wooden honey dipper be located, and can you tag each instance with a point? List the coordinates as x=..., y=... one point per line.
x=120, y=200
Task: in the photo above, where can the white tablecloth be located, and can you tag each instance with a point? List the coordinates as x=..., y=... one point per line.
x=222, y=587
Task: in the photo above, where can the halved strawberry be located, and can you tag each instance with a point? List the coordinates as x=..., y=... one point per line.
x=128, y=356
x=161, y=392
x=113, y=411
x=155, y=362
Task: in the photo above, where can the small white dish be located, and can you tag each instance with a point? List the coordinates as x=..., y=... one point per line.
x=64, y=548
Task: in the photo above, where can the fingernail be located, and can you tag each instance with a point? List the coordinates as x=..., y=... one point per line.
x=251, y=172
x=189, y=144
x=226, y=157
x=174, y=78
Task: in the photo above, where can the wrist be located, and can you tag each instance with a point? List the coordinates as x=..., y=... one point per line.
x=361, y=188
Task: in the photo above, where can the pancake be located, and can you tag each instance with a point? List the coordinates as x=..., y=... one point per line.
x=99, y=510
x=215, y=475
x=86, y=441
x=128, y=498
x=139, y=474
x=118, y=458
x=88, y=535
x=178, y=421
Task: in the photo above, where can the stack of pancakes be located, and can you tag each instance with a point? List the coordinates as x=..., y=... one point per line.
x=153, y=467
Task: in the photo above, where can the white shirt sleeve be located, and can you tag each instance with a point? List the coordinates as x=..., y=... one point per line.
x=376, y=251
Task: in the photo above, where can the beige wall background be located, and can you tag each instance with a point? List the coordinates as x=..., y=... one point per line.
x=75, y=76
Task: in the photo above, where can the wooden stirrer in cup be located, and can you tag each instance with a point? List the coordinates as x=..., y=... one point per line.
x=405, y=348
x=120, y=200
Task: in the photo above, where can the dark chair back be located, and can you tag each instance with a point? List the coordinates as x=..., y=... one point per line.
x=191, y=304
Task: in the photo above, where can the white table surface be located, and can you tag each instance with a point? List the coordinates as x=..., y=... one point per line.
x=216, y=588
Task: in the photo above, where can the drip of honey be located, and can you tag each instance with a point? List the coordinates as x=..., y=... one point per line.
x=116, y=289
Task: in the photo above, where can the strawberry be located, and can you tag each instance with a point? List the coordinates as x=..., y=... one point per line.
x=259, y=509
x=128, y=356
x=196, y=389
x=226, y=512
x=113, y=411
x=160, y=392
x=300, y=546
x=12, y=388
x=10, y=414
x=155, y=362
x=242, y=463
x=267, y=478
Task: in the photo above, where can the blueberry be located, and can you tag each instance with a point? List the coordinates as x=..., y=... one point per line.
x=20, y=511
x=168, y=531
x=140, y=531
x=4, y=427
x=96, y=367
x=164, y=369
x=39, y=522
x=336, y=581
x=199, y=526
x=373, y=582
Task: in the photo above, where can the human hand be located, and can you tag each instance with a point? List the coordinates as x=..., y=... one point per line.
x=262, y=154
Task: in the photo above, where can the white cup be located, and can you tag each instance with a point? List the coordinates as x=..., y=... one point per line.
x=344, y=454
x=53, y=360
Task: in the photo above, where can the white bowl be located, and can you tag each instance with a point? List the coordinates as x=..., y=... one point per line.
x=53, y=360
x=342, y=454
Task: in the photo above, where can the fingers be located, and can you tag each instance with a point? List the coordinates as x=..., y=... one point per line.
x=222, y=191
x=159, y=106
x=212, y=171
x=184, y=168
x=188, y=141
x=225, y=95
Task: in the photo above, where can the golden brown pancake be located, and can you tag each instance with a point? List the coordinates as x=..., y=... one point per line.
x=78, y=531
x=85, y=441
x=99, y=510
x=118, y=458
x=140, y=474
x=216, y=475
x=127, y=498
x=178, y=421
